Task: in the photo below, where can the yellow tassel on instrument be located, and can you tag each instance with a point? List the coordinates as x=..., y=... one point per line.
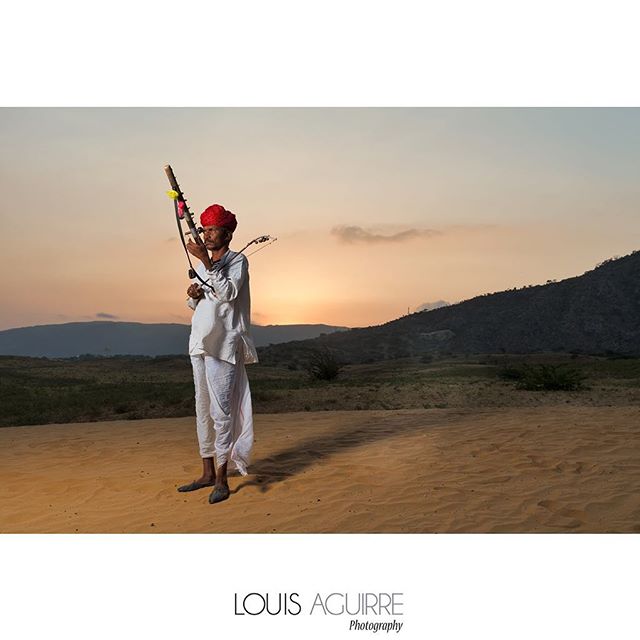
x=173, y=194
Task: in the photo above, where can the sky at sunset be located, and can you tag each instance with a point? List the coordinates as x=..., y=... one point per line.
x=375, y=210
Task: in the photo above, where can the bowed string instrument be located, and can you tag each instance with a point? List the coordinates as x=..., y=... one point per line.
x=184, y=216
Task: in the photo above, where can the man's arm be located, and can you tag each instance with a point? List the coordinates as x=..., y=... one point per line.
x=227, y=285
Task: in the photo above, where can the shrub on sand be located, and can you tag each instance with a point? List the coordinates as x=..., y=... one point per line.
x=323, y=365
x=549, y=377
x=511, y=373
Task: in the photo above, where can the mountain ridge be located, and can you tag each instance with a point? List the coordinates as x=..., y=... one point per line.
x=109, y=337
x=597, y=312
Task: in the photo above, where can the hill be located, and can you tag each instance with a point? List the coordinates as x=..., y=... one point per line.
x=595, y=313
x=106, y=338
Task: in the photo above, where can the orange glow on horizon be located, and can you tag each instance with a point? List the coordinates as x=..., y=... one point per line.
x=376, y=210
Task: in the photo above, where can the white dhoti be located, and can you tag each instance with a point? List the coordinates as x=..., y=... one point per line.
x=224, y=418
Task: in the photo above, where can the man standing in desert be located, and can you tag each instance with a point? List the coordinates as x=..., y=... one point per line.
x=220, y=345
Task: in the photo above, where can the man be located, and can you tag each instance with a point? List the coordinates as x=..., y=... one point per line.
x=220, y=346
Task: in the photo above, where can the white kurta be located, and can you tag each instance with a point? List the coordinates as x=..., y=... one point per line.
x=222, y=319
x=220, y=329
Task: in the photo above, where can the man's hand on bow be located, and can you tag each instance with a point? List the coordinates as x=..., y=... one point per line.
x=199, y=252
x=195, y=291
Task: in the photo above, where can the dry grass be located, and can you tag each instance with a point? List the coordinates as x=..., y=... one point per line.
x=39, y=391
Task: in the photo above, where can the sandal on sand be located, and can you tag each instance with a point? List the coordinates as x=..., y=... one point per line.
x=218, y=495
x=194, y=486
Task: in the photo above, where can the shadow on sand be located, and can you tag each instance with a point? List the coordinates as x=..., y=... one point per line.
x=290, y=462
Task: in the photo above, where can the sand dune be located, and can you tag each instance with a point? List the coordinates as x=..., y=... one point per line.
x=537, y=469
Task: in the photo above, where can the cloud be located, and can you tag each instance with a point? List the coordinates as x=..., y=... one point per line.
x=107, y=316
x=353, y=235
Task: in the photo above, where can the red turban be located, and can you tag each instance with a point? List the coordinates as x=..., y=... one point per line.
x=217, y=216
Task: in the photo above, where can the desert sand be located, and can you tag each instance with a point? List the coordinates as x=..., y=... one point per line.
x=533, y=469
